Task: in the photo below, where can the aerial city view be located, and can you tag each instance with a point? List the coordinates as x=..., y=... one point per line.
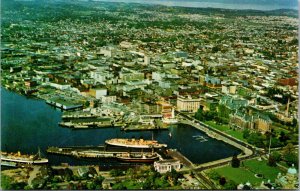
x=165, y=95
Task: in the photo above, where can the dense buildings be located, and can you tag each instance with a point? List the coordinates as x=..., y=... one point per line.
x=143, y=67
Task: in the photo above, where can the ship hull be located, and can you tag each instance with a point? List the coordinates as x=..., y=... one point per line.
x=135, y=145
x=137, y=160
x=41, y=161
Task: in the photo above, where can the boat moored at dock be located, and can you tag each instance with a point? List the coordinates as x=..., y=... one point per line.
x=21, y=158
x=135, y=143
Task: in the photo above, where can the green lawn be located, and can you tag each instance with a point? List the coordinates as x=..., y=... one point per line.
x=246, y=173
x=225, y=128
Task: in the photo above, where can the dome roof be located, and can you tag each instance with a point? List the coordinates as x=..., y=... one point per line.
x=292, y=170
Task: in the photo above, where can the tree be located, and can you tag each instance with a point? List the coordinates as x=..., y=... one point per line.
x=87, y=104
x=223, y=112
x=291, y=158
x=230, y=185
x=174, y=175
x=275, y=142
x=246, y=133
x=222, y=181
x=116, y=172
x=283, y=137
x=98, y=180
x=147, y=184
x=288, y=149
x=91, y=186
x=27, y=187
x=271, y=161
x=119, y=186
x=256, y=139
x=277, y=156
x=6, y=182
x=199, y=114
x=214, y=175
x=235, y=162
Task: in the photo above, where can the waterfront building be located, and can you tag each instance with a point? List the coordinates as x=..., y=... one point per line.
x=151, y=108
x=262, y=123
x=166, y=109
x=188, y=103
x=241, y=120
x=256, y=121
x=167, y=165
x=98, y=93
x=60, y=86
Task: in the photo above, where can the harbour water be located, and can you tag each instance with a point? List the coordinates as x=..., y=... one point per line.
x=28, y=124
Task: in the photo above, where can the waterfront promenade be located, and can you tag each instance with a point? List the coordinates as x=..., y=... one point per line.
x=248, y=151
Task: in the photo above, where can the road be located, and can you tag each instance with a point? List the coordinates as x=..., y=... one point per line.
x=206, y=183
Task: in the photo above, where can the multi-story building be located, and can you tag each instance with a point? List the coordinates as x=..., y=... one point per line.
x=166, y=109
x=98, y=93
x=188, y=103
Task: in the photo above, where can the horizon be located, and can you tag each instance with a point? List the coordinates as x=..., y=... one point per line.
x=262, y=5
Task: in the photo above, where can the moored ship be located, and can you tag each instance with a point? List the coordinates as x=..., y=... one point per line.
x=22, y=158
x=144, y=158
x=135, y=143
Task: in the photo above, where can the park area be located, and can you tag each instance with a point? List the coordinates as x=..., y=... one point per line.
x=246, y=172
x=225, y=128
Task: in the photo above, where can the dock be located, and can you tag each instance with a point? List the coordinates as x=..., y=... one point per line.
x=108, y=152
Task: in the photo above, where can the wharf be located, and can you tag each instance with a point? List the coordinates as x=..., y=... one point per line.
x=78, y=116
x=64, y=105
x=89, y=121
x=85, y=125
x=157, y=125
x=177, y=155
x=108, y=152
x=143, y=128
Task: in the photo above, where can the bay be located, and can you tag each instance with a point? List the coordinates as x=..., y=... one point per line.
x=28, y=124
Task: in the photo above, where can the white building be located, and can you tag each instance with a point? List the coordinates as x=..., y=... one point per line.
x=59, y=86
x=147, y=60
x=166, y=165
x=98, y=93
x=187, y=103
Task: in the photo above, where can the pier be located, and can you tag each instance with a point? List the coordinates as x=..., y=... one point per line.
x=111, y=152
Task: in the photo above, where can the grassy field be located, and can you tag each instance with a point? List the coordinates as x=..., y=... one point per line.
x=225, y=128
x=247, y=172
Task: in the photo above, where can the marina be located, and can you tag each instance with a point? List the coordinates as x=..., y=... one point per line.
x=38, y=123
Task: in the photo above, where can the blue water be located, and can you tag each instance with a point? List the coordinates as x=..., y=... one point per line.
x=27, y=124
